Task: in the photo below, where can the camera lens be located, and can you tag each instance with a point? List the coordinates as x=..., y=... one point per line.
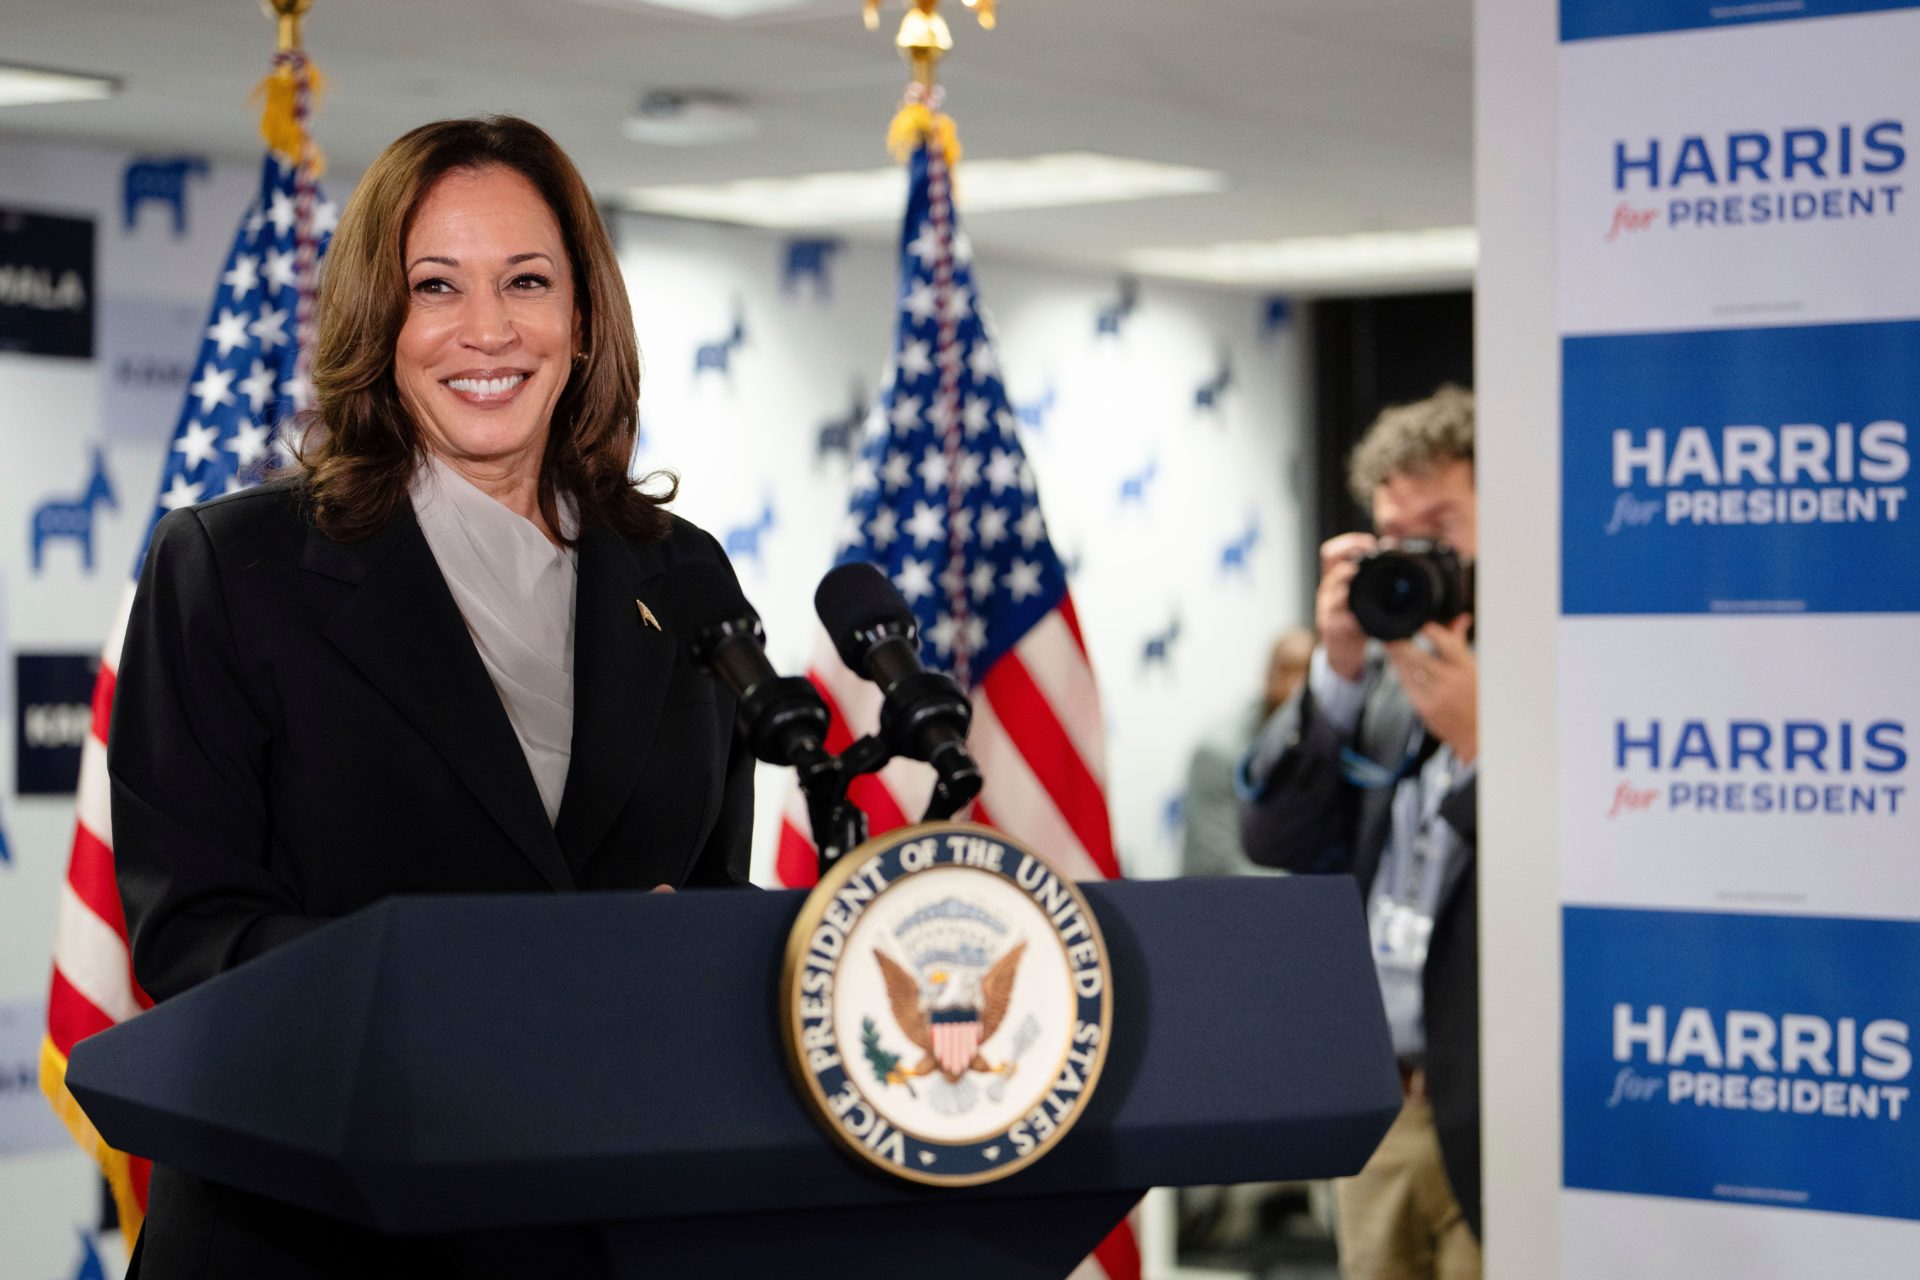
x=1394, y=594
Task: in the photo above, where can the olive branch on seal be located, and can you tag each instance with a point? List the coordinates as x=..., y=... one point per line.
x=883, y=1063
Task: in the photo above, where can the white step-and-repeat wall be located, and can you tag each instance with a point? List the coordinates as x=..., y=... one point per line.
x=1737, y=299
x=1166, y=426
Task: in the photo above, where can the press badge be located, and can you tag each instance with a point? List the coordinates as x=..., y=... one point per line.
x=1400, y=934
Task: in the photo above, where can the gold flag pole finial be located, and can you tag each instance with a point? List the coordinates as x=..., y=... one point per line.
x=289, y=12
x=924, y=38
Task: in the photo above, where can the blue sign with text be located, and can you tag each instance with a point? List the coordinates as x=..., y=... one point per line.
x=1593, y=19
x=1742, y=1058
x=55, y=714
x=1740, y=471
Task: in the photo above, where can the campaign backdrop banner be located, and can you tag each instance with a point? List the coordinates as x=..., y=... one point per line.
x=1741, y=471
x=55, y=711
x=1704, y=770
x=1740, y=606
x=147, y=348
x=27, y=1124
x=1759, y=174
x=1755, y=1059
x=46, y=284
x=1594, y=19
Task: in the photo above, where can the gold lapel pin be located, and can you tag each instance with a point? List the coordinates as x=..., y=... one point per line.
x=646, y=615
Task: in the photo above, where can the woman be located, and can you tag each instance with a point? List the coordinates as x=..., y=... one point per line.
x=426, y=664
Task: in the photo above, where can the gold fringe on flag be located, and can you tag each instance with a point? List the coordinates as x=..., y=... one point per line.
x=279, y=122
x=113, y=1164
x=916, y=123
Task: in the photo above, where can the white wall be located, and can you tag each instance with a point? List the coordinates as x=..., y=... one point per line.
x=741, y=444
x=1517, y=382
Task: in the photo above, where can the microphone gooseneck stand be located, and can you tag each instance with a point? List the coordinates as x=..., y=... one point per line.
x=839, y=825
x=923, y=715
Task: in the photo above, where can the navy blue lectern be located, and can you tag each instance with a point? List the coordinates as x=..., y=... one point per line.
x=593, y=1085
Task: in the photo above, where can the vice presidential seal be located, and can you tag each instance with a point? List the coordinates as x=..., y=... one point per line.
x=947, y=1003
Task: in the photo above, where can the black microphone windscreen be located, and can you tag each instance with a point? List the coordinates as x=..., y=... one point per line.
x=855, y=598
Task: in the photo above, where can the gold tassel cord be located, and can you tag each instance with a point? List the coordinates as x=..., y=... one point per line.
x=278, y=123
x=916, y=123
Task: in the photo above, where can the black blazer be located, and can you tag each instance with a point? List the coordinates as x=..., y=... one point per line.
x=1302, y=815
x=302, y=727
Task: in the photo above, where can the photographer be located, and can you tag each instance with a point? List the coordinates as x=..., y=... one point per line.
x=1370, y=770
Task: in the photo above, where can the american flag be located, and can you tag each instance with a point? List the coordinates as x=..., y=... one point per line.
x=250, y=377
x=945, y=504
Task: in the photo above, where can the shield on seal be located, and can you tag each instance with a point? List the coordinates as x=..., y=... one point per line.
x=956, y=1037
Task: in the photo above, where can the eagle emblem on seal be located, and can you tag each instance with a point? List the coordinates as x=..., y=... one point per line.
x=950, y=1015
x=949, y=999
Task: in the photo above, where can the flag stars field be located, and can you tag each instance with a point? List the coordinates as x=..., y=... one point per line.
x=929, y=524
x=214, y=387
x=243, y=277
x=228, y=332
x=197, y=444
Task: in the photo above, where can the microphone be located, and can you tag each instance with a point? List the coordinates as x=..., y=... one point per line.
x=783, y=717
x=924, y=716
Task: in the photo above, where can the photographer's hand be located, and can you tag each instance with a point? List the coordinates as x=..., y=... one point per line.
x=1443, y=685
x=1340, y=634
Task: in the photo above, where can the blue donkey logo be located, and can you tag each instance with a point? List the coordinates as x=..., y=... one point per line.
x=1113, y=316
x=810, y=260
x=718, y=356
x=1158, y=649
x=90, y=1267
x=743, y=542
x=162, y=181
x=1235, y=557
x=74, y=519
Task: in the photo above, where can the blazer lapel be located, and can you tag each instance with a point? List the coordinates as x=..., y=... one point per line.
x=404, y=633
x=621, y=668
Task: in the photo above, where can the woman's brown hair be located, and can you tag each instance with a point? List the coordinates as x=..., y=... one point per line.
x=361, y=447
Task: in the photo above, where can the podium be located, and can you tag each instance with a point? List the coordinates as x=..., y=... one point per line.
x=594, y=1084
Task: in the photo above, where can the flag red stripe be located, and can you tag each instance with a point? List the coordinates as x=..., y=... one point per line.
x=90, y=872
x=139, y=1171
x=71, y=1017
x=1037, y=733
x=103, y=701
x=883, y=812
x=796, y=862
x=1119, y=1254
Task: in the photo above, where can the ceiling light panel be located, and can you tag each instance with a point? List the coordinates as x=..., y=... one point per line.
x=725, y=10
x=1433, y=256
x=878, y=195
x=30, y=86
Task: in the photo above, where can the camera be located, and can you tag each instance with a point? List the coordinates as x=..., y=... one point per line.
x=1398, y=590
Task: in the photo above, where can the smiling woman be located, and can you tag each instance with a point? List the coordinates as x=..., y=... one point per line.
x=472, y=253
x=418, y=666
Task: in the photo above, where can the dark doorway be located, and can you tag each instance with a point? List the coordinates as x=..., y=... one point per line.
x=1369, y=353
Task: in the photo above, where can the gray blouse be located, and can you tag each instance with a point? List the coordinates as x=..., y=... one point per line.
x=516, y=591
